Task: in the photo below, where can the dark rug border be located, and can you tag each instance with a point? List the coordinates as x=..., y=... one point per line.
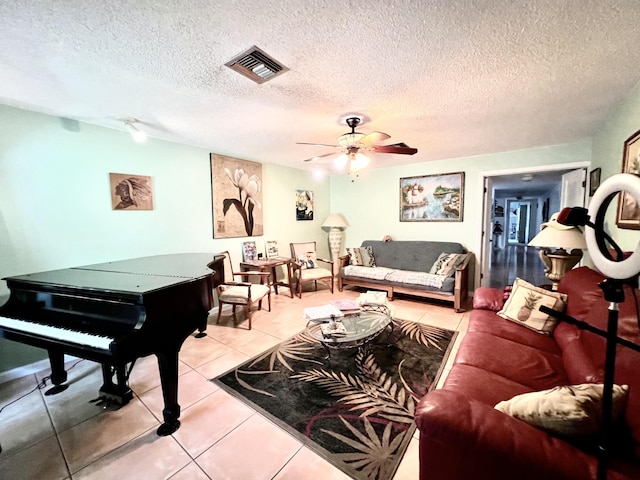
x=325, y=454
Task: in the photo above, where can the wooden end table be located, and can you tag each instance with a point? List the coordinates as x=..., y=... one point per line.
x=270, y=264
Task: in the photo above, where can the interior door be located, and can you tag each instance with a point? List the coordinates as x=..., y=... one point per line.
x=573, y=188
x=487, y=237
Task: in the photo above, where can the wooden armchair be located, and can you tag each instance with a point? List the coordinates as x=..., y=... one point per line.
x=242, y=293
x=305, y=266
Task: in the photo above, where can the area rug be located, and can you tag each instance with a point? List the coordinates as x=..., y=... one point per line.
x=355, y=408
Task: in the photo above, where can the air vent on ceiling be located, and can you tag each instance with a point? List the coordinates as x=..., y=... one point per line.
x=256, y=65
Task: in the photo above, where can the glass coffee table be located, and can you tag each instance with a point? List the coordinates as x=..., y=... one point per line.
x=360, y=328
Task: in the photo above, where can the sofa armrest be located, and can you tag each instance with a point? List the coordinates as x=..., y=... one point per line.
x=461, y=288
x=486, y=298
x=462, y=438
x=343, y=261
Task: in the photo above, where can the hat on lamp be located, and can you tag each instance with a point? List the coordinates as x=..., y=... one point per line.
x=553, y=223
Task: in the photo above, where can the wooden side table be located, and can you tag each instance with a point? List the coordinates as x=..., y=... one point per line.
x=270, y=264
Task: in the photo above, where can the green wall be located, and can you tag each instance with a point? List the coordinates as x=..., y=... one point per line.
x=371, y=202
x=55, y=204
x=55, y=209
x=608, y=148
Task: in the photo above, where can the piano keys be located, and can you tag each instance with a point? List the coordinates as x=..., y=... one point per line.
x=113, y=313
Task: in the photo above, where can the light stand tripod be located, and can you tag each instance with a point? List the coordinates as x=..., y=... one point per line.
x=619, y=271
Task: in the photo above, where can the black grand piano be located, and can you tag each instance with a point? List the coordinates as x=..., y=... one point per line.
x=113, y=313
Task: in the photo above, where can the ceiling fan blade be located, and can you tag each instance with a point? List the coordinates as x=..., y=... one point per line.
x=316, y=157
x=374, y=137
x=317, y=144
x=400, y=148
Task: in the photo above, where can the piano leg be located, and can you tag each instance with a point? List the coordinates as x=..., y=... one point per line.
x=110, y=392
x=58, y=373
x=168, y=366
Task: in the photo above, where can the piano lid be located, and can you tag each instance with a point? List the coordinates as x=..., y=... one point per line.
x=135, y=276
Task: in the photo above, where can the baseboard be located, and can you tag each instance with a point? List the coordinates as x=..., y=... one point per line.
x=30, y=369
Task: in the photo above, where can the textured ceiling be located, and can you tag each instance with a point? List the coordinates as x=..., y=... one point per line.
x=451, y=78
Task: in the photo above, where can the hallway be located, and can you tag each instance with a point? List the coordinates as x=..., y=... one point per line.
x=516, y=261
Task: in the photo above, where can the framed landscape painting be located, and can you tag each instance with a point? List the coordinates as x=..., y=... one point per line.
x=236, y=195
x=628, y=215
x=432, y=198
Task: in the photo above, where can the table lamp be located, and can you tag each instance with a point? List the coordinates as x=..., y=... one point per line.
x=336, y=222
x=568, y=243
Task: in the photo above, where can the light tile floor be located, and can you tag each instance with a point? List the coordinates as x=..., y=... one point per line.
x=67, y=437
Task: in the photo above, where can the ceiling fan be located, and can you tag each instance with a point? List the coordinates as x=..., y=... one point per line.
x=353, y=144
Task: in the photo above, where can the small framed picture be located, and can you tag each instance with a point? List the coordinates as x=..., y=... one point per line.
x=271, y=248
x=249, y=251
x=594, y=181
x=628, y=215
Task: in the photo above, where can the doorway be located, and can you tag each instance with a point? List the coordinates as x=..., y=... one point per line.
x=519, y=221
x=541, y=187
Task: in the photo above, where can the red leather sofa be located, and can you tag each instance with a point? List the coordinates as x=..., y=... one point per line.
x=462, y=436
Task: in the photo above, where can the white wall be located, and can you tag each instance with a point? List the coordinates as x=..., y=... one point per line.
x=55, y=204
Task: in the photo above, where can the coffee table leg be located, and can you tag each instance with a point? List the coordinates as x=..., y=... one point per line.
x=328, y=357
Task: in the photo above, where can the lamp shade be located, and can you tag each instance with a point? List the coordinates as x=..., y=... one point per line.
x=335, y=220
x=568, y=238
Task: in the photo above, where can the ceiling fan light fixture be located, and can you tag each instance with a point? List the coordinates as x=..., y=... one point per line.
x=341, y=161
x=350, y=139
x=358, y=162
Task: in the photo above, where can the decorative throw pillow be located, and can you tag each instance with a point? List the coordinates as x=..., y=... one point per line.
x=361, y=256
x=308, y=260
x=573, y=410
x=523, y=304
x=446, y=264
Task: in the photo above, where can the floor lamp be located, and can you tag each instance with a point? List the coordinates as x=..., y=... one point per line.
x=336, y=223
x=568, y=242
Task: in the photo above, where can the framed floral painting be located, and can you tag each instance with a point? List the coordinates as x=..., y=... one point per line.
x=628, y=215
x=236, y=195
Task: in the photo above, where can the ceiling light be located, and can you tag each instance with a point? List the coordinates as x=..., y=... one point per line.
x=341, y=161
x=527, y=177
x=358, y=162
x=138, y=136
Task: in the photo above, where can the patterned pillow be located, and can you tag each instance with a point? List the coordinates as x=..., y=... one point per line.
x=572, y=410
x=361, y=256
x=523, y=304
x=446, y=264
x=307, y=260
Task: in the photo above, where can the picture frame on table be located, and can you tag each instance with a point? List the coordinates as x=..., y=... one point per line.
x=249, y=251
x=271, y=249
x=432, y=198
x=628, y=213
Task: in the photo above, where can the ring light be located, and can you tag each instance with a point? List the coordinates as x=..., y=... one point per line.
x=594, y=236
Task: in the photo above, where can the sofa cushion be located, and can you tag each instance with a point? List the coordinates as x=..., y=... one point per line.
x=446, y=264
x=473, y=382
x=523, y=364
x=361, y=256
x=416, y=255
x=569, y=410
x=486, y=321
x=523, y=303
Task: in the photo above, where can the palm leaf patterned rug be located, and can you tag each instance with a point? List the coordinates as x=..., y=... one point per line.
x=356, y=408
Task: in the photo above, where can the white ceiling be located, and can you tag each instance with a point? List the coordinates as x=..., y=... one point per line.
x=451, y=78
